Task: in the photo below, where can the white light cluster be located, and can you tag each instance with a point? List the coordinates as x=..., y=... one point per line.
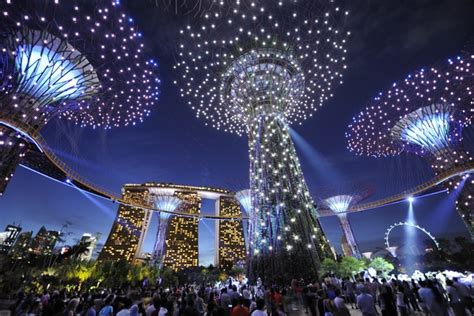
x=423, y=113
x=84, y=62
x=339, y=203
x=389, y=230
x=167, y=203
x=259, y=56
x=245, y=199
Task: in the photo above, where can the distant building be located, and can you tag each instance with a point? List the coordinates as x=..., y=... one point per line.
x=44, y=242
x=126, y=234
x=90, y=241
x=182, y=249
x=346, y=248
x=230, y=242
x=9, y=237
x=181, y=243
x=22, y=246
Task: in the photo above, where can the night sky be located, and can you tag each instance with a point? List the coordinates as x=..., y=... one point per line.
x=390, y=39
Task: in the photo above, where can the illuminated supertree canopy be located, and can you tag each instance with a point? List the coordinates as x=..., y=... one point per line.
x=339, y=204
x=83, y=62
x=283, y=58
x=167, y=203
x=245, y=199
x=424, y=114
x=255, y=67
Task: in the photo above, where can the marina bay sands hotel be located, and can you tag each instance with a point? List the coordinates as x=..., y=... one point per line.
x=180, y=247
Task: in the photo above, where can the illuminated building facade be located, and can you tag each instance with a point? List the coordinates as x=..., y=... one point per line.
x=126, y=234
x=10, y=235
x=180, y=233
x=182, y=240
x=44, y=242
x=230, y=242
x=21, y=248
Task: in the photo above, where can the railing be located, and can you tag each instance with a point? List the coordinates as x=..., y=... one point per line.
x=90, y=187
x=440, y=178
x=39, y=141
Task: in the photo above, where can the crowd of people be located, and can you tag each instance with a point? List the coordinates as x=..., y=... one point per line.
x=330, y=297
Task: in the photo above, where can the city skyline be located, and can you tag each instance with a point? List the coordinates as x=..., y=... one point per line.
x=172, y=146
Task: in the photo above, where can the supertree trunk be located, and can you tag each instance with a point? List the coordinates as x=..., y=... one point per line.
x=464, y=204
x=159, y=248
x=447, y=159
x=12, y=151
x=346, y=228
x=13, y=145
x=285, y=239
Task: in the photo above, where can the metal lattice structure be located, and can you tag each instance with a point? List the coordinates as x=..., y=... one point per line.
x=82, y=62
x=423, y=114
x=392, y=249
x=255, y=69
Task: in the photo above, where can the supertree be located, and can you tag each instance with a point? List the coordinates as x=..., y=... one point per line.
x=339, y=204
x=339, y=201
x=424, y=114
x=169, y=204
x=81, y=61
x=256, y=67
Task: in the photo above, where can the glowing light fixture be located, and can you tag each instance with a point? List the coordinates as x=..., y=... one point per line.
x=47, y=72
x=167, y=203
x=339, y=204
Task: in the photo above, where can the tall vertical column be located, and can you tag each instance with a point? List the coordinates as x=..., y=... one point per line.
x=347, y=230
x=159, y=249
x=286, y=240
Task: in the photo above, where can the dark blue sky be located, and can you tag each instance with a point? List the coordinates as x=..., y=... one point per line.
x=390, y=39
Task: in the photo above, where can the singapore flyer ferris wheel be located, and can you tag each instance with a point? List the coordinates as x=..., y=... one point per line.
x=409, y=224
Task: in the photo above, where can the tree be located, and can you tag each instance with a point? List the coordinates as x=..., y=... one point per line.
x=382, y=266
x=350, y=266
x=328, y=266
x=169, y=277
x=237, y=272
